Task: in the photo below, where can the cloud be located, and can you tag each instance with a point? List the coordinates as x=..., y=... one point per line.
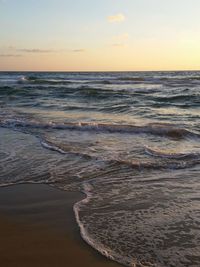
x=116, y=18
x=30, y=50
x=122, y=37
x=78, y=50
x=118, y=45
x=14, y=50
x=120, y=40
x=11, y=47
x=35, y=50
x=10, y=55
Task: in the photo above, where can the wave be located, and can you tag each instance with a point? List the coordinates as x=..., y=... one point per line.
x=52, y=147
x=87, y=91
x=7, y=90
x=51, y=88
x=62, y=149
x=33, y=79
x=22, y=79
x=160, y=129
x=136, y=79
x=168, y=80
x=194, y=78
x=181, y=97
x=87, y=190
x=171, y=155
x=173, y=165
x=187, y=160
x=18, y=92
x=101, y=82
x=109, y=251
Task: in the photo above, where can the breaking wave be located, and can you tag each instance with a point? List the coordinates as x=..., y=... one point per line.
x=187, y=160
x=171, y=155
x=37, y=80
x=161, y=129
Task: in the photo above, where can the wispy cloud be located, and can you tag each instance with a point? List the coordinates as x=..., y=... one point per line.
x=78, y=50
x=120, y=40
x=31, y=50
x=22, y=51
x=10, y=55
x=34, y=50
x=116, y=18
x=122, y=37
x=118, y=45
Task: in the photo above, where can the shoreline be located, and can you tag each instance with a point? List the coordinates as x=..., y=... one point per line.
x=38, y=228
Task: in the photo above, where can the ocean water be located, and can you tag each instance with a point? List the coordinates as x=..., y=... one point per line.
x=129, y=140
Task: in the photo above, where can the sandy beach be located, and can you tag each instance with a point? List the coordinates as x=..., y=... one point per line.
x=38, y=228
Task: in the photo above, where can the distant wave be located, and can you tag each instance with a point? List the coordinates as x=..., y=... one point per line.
x=180, y=97
x=160, y=79
x=87, y=91
x=194, y=78
x=101, y=82
x=161, y=129
x=37, y=80
x=23, y=79
x=136, y=79
x=7, y=90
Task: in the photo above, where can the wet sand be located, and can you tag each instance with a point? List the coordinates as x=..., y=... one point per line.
x=38, y=228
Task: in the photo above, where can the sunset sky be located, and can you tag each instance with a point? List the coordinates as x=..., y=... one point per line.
x=91, y=35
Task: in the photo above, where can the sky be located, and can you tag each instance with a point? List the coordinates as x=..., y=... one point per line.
x=99, y=35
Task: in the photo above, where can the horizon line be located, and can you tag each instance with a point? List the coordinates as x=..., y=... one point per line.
x=178, y=70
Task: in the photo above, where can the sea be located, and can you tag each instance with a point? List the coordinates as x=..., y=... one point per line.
x=130, y=141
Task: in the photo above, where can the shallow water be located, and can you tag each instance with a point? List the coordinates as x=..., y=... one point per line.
x=129, y=140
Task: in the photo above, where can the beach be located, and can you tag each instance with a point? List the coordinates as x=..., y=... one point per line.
x=38, y=228
x=99, y=133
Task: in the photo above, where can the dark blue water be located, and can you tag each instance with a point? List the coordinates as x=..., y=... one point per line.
x=129, y=140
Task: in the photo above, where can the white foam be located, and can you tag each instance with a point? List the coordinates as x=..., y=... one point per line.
x=52, y=147
x=101, y=248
